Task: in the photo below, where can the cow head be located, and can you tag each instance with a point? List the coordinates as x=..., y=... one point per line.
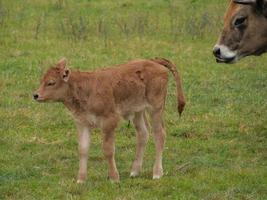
x=244, y=32
x=54, y=85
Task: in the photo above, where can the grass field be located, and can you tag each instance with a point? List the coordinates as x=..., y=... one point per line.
x=217, y=150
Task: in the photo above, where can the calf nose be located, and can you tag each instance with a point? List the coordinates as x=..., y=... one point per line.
x=217, y=51
x=35, y=96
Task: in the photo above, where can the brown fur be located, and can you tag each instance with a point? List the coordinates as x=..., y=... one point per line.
x=100, y=98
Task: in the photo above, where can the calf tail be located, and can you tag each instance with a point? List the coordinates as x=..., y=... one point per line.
x=179, y=88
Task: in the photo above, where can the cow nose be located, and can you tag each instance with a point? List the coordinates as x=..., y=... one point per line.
x=35, y=96
x=217, y=51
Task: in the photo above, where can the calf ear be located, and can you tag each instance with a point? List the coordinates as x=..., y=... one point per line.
x=62, y=63
x=66, y=75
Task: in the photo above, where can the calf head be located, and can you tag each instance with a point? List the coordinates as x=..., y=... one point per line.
x=54, y=84
x=244, y=32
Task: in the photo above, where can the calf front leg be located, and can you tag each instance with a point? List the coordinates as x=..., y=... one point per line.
x=108, y=128
x=84, y=142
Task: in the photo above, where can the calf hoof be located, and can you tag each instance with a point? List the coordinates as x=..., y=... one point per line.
x=114, y=178
x=157, y=174
x=136, y=168
x=81, y=178
x=114, y=181
x=80, y=181
x=155, y=177
x=134, y=174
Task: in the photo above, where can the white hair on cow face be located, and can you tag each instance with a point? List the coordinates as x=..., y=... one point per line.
x=223, y=53
x=226, y=52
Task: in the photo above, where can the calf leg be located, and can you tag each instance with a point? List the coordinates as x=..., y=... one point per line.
x=142, y=138
x=109, y=126
x=159, y=137
x=84, y=142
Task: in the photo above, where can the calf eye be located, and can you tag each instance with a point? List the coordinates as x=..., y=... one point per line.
x=240, y=21
x=51, y=83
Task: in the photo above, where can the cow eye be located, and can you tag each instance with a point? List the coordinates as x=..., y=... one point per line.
x=240, y=21
x=51, y=83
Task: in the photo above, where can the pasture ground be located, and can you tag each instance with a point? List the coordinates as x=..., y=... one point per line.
x=217, y=150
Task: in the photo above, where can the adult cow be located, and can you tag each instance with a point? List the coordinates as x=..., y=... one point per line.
x=244, y=32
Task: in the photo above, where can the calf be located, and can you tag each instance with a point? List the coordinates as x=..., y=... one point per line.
x=100, y=98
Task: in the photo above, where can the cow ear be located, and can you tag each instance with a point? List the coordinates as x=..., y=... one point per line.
x=62, y=63
x=245, y=1
x=66, y=75
x=264, y=7
x=261, y=4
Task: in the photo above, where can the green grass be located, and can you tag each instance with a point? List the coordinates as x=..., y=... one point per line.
x=217, y=150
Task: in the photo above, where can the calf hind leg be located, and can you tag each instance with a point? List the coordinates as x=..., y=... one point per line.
x=159, y=138
x=142, y=138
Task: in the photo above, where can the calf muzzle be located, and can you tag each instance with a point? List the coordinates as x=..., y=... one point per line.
x=35, y=96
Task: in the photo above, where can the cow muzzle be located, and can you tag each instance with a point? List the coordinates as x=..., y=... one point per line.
x=224, y=55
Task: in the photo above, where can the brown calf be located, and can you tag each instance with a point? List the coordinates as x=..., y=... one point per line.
x=100, y=98
x=244, y=32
